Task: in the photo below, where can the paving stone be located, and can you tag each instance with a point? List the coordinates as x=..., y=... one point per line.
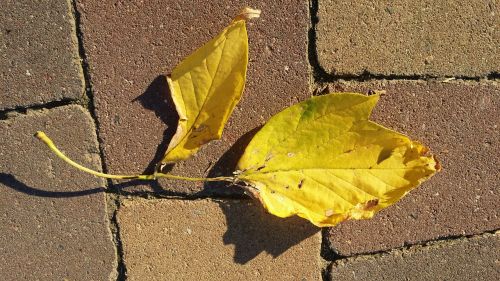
x=405, y=37
x=130, y=44
x=39, y=59
x=463, y=259
x=52, y=219
x=459, y=121
x=209, y=240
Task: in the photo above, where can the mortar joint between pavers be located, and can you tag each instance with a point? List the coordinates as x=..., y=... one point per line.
x=89, y=104
x=22, y=110
x=113, y=202
x=367, y=77
x=171, y=195
x=115, y=229
x=423, y=244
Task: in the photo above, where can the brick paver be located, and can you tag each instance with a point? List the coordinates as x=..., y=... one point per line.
x=406, y=37
x=130, y=44
x=459, y=122
x=464, y=259
x=208, y=240
x=39, y=59
x=52, y=219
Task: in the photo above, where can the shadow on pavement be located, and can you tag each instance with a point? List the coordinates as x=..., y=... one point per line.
x=158, y=99
x=253, y=231
x=225, y=166
x=249, y=228
x=11, y=181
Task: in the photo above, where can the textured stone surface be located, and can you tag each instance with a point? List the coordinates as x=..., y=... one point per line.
x=208, y=240
x=405, y=37
x=39, y=59
x=130, y=44
x=464, y=259
x=52, y=219
x=459, y=121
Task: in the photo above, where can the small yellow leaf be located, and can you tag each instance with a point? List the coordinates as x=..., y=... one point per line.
x=323, y=160
x=206, y=86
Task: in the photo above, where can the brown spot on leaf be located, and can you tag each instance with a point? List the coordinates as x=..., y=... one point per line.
x=370, y=204
x=301, y=183
x=425, y=150
x=261, y=167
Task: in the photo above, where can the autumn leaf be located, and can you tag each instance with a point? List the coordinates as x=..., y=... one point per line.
x=323, y=160
x=206, y=86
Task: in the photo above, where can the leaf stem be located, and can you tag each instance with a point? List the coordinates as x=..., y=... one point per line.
x=45, y=139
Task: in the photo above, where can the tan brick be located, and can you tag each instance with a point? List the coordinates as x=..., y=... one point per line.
x=39, y=59
x=129, y=44
x=463, y=259
x=53, y=219
x=459, y=121
x=209, y=240
x=405, y=37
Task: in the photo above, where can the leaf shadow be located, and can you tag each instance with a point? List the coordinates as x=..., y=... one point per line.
x=12, y=182
x=252, y=231
x=249, y=228
x=225, y=166
x=157, y=98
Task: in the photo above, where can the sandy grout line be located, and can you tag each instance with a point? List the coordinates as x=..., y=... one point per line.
x=112, y=199
x=439, y=242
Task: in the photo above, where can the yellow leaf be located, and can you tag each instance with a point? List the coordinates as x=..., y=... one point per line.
x=206, y=86
x=323, y=160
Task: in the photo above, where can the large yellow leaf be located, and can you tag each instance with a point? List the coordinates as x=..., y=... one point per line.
x=323, y=160
x=206, y=86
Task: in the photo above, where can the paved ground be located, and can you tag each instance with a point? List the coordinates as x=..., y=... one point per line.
x=89, y=73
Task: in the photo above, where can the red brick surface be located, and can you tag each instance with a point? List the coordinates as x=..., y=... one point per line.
x=406, y=37
x=459, y=122
x=210, y=240
x=462, y=259
x=129, y=44
x=39, y=59
x=53, y=220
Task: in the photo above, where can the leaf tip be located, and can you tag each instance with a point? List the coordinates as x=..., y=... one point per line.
x=247, y=13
